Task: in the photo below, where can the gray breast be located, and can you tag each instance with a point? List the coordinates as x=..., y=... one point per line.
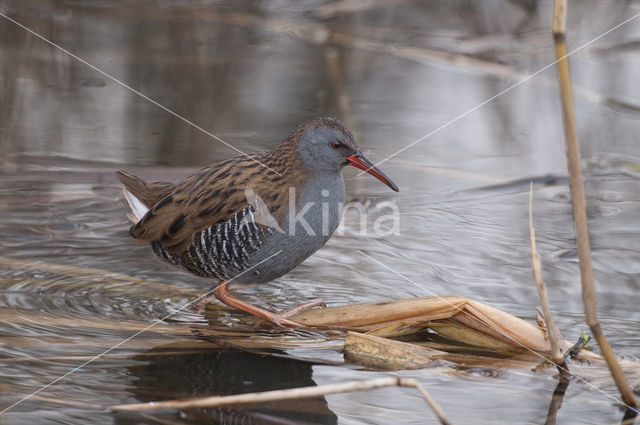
x=247, y=249
x=303, y=231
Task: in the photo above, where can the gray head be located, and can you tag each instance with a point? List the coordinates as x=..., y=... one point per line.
x=325, y=145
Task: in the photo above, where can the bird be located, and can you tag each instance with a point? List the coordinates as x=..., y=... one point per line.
x=252, y=218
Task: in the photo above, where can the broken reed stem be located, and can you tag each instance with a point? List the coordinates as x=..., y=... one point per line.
x=578, y=201
x=536, y=265
x=409, y=382
x=289, y=394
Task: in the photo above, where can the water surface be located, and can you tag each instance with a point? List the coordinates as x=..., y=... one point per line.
x=249, y=73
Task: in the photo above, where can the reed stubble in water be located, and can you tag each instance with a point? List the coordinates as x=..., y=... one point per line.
x=578, y=202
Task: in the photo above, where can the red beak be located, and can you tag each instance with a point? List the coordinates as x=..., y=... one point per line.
x=360, y=161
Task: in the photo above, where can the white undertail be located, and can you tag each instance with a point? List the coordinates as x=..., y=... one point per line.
x=137, y=207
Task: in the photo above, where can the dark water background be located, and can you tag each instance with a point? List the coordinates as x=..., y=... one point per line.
x=249, y=72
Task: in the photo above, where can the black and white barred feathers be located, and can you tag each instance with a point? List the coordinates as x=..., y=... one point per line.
x=220, y=251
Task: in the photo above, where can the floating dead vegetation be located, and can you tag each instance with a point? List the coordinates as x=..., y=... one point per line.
x=452, y=333
x=390, y=335
x=394, y=335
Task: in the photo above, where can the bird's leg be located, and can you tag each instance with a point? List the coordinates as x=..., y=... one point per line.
x=301, y=308
x=224, y=296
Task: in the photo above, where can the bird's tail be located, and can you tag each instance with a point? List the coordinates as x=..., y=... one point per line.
x=138, y=209
x=141, y=194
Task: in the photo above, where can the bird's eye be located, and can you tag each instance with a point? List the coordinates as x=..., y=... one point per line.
x=336, y=144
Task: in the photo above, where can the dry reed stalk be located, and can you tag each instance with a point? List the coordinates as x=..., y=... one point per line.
x=536, y=265
x=388, y=354
x=289, y=394
x=384, y=318
x=578, y=201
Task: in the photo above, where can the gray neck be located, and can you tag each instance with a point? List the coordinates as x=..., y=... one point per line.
x=322, y=201
x=321, y=216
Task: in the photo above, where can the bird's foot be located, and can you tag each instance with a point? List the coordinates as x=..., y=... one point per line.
x=223, y=295
x=281, y=321
x=301, y=308
x=201, y=305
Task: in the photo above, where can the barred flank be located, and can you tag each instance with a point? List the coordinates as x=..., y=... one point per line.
x=220, y=251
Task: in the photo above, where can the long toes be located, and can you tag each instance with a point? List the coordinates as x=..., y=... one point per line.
x=317, y=303
x=303, y=307
x=283, y=322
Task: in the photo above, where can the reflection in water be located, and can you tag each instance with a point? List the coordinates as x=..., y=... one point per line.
x=200, y=373
x=251, y=71
x=557, y=398
x=629, y=417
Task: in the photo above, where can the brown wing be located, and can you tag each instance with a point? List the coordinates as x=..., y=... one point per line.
x=211, y=196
